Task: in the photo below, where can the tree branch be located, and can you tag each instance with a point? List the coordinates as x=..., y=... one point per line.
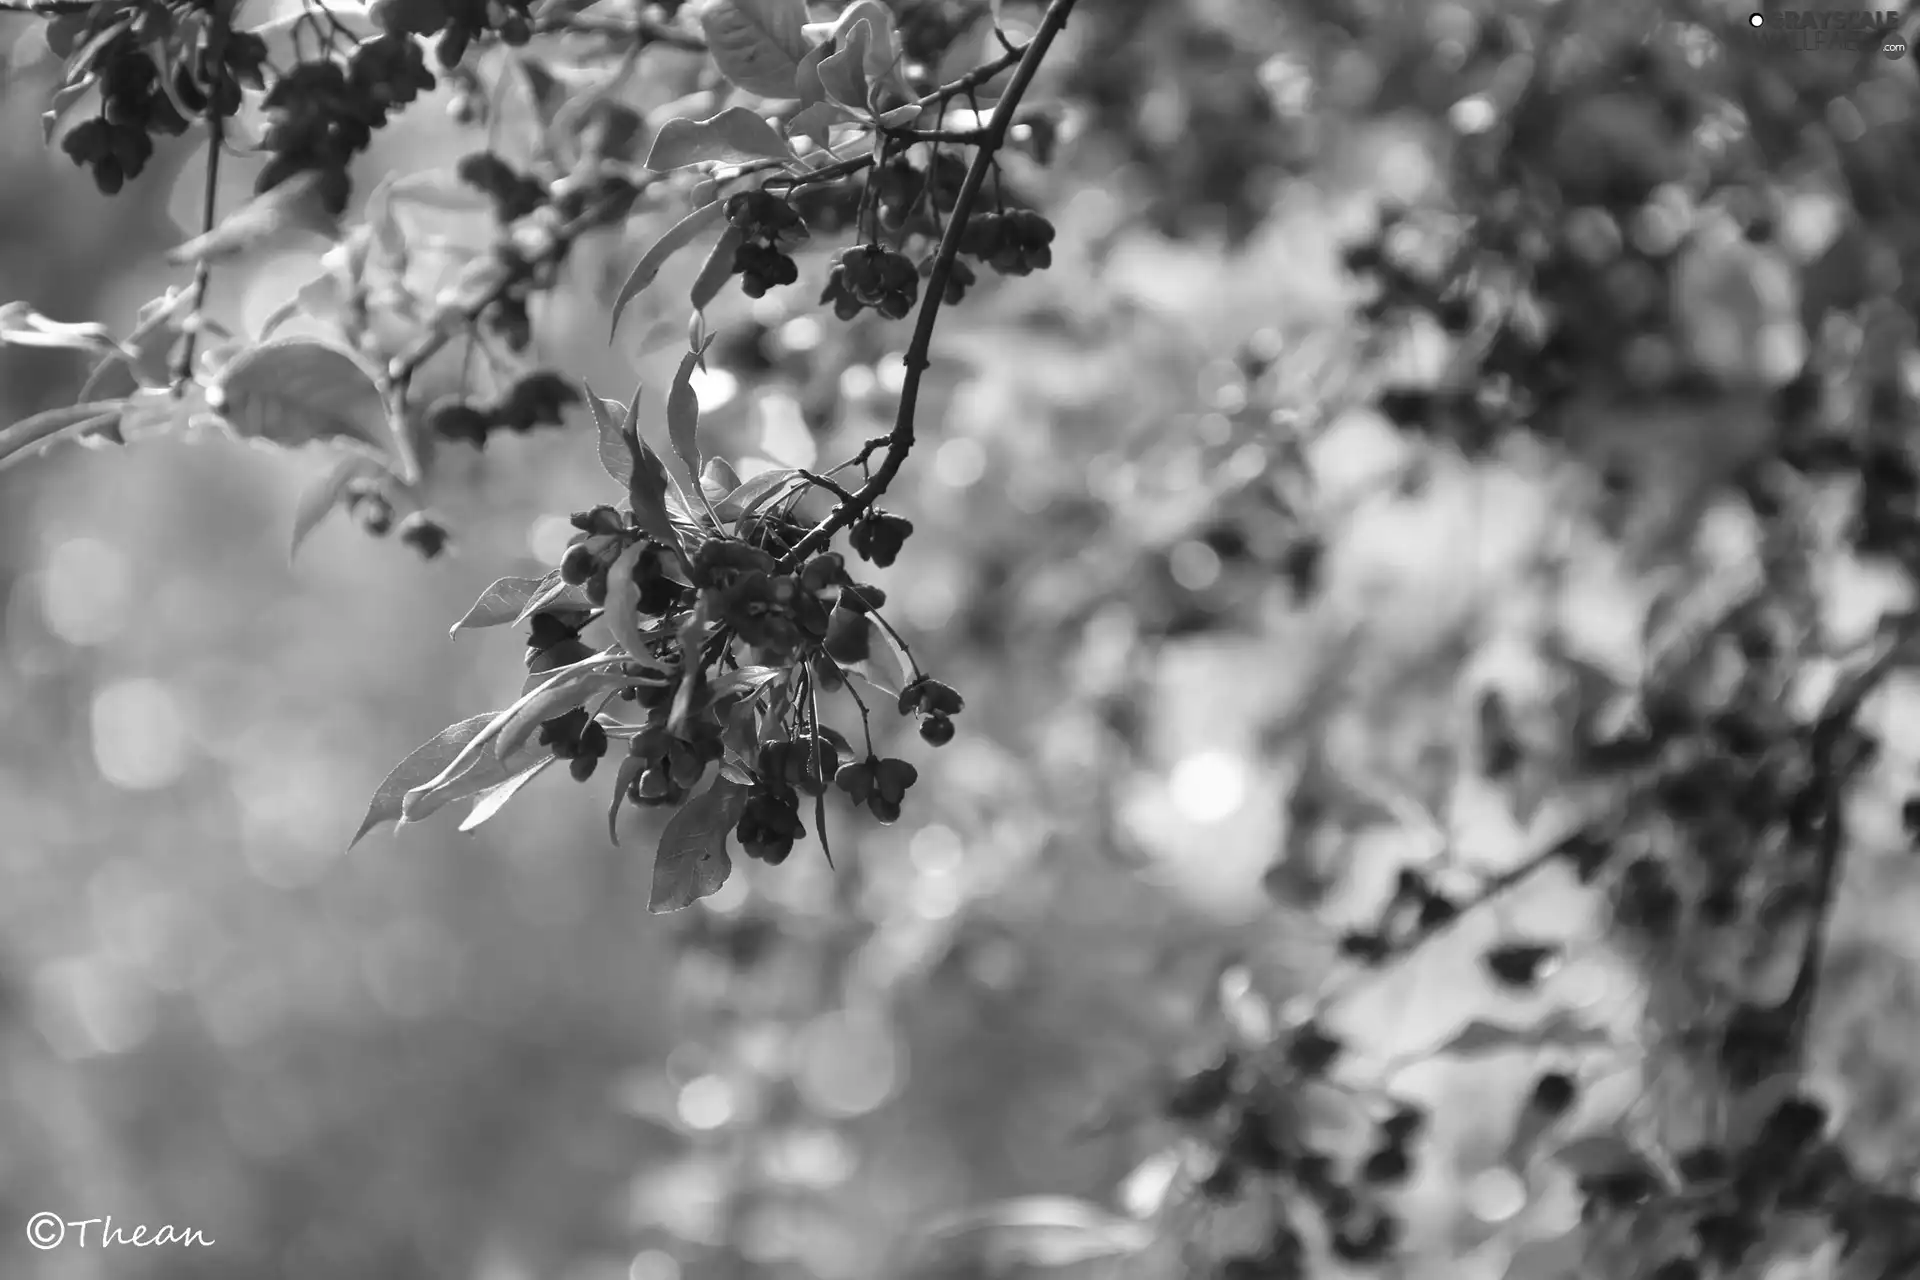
x=46, y=8
x=900, y=439
x=1830, y=775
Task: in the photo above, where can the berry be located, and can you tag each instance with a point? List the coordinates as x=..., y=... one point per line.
x=1404, y=1125
x=1554, y=1094
x=1368, y=946
x=1703, y=1164
x=1312, y=1050
x=578, y=565
x=424, y=534
x=1519, y=964
x=936, y=731
x=1794, y=1126
x=1387, y=1167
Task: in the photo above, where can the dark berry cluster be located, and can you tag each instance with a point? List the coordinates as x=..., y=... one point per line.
x=671, y=764
x=424, y=534
x=869, y=276
x=770, y=822
x=880, y=785
x=1415, y=909
x=538, y=399
x=514, y=194
x=936, y=704
x=553, y=639
x=769, y=228
x=878, y=536
x=323, y=114
x=603, y=534
x=1018, y=242
x=134, y=104
x=577, y=738
x=457, y=22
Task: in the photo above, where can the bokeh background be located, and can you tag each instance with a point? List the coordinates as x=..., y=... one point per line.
x=477, y=1056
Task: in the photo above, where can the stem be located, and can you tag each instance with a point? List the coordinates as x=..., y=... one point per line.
x=900, y=440
x=203, y=270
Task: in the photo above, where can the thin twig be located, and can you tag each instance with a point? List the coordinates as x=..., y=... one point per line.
x=900, y=440
x=203, y=270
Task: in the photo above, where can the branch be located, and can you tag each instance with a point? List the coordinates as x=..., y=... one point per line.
x=1829, y=774
x=644, y=31
x=209, y=216
x=46, y=8
x=900, y=439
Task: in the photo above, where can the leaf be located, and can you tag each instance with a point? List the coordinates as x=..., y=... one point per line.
x=455, y=780
x=676, y=238
x=570, y=688
x=555, y=592
x=882, y=54
x=425, y=762
x=718, y=269
x=500, y=603
x=293, y=206
x=65, y=99
x=494, y=799
x=757, y=44
x=615, y=458
x=322, y=496
x=743, y=682
x=884, y=667
x=68, y=422
x=692, y=861
x=631, y=767
x=1561, y=1257
x=296, y=391
x=844, y=75
x=718, y=479
x=651, y=487
x=683, y=416
x=817, y=121
x=734, y=135
x=623, y=599
x=1559, y=1030
x=901, y=117
x=1042, y=1231
x=22, y=326
x=745, y=500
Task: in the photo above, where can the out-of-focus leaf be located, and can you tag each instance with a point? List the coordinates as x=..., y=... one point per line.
x=683, y=416
x=54, y=425
x=692, y=862
x=645, y=271
x=499, y=603
x=22, y=326
x=291, y=208
x=319, y=499
x=718, y=268
x=1560, y=1257
x=882, y=53
x=743, y=682
x=494, y=799
x=757, y=44
x=734, y=135
x=1559, y=1030
x=1040, y=1231
x=817, y=121
x=298, y=391
x=65, y=99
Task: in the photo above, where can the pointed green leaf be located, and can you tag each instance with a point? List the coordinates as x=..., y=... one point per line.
x=494, y=799
x=692, y=862
x=623, y=599
x=718, y=268
x=555, y=593
x=323, y=495
x=844, y=75
x=645, y=271
x=500, y=603
x=683, y=416
x=426, y=761
x=296, y=391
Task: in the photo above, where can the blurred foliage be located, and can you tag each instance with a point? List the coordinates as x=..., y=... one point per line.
x=1431, y=567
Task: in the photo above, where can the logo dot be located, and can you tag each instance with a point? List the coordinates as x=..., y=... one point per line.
x=1756, y=19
